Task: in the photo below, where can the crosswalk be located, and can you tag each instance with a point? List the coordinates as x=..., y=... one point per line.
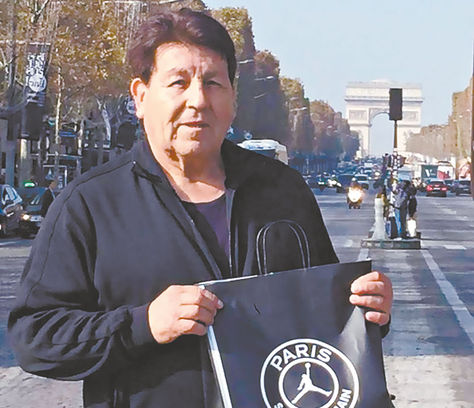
x=354, y=242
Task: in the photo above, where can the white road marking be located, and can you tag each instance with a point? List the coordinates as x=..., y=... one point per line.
x=8, y=242
x=449, y=211
x=363, y=254
x=348, y=243
x=455, y=247
x=466, y=320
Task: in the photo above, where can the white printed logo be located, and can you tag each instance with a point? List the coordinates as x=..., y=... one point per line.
x=308, y=373
x=37, y=83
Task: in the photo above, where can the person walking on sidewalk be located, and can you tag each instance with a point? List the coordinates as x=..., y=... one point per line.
x=48, y=197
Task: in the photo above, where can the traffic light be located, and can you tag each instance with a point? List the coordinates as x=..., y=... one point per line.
x=395, y=104
x=32, y=121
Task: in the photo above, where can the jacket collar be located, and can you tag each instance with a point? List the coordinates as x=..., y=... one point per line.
x=239, y=164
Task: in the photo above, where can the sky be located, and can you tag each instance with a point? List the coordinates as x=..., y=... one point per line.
x=327, y=44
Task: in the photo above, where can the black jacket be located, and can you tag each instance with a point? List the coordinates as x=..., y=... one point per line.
x=112, y=241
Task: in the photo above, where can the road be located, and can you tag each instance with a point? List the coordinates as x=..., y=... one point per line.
x=429, y=352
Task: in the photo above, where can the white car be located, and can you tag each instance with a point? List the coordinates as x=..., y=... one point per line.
x=363, y=180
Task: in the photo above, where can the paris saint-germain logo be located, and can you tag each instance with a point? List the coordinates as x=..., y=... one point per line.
x=307, y=373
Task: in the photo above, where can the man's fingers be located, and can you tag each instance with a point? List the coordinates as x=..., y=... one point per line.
x=187, y=326
x=378, y=303
x=370, y=287
x=373, y=276
x=193, y=295
x=197, y=313
x=377, y=317
x=182, y=310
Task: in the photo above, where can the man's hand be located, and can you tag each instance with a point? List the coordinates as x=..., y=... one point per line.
x=182, y=310
x=373, y=291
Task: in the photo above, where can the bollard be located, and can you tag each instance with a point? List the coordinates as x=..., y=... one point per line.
x=379, y=227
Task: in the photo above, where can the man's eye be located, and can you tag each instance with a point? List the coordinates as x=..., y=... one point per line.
x=212, y=83
x=179, y=82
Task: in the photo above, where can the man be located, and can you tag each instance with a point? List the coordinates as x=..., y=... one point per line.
x=401, y=208
x=48, y=197
x=109, y=292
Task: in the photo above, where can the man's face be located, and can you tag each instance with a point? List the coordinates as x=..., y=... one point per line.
x=188, y=104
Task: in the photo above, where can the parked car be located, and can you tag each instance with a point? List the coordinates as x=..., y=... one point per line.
x=28, y=193
x=31, y=218
x=10, y=209
x=363, y=180
x=436, y=187
x=450, y=184
x=462, y=187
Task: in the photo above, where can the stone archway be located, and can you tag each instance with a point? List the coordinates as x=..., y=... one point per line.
x=366, y=100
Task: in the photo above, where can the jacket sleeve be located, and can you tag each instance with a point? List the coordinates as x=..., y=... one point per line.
x=57, y=327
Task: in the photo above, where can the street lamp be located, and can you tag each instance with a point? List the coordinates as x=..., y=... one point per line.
x=267, y=78
x=246, y=61
x=264, y=79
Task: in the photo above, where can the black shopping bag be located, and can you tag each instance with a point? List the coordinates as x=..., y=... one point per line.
x=292, y=340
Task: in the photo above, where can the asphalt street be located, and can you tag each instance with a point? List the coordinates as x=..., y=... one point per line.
x=429, y=352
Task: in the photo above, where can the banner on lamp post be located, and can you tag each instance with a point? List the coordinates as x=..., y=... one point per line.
x=35, y=74
x=35, y=90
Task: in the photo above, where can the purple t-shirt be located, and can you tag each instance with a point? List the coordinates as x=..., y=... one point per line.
x=211, y=221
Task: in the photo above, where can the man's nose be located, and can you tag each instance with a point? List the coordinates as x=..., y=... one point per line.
x=197, y=97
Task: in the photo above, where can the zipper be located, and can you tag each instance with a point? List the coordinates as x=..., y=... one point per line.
x=202, y=243
x=229, y=200
x=198, y=239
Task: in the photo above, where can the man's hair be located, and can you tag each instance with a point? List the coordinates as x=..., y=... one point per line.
x=185, y=26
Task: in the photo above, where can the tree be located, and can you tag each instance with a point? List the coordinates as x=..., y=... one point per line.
x=271, y=118
x=239, y=25
x=301, y=126
x=332, y=135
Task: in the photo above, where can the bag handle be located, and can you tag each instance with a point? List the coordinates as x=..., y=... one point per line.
x=261, y=242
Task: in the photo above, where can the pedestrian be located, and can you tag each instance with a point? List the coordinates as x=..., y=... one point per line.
x=48, y=197
x=412, y=208
x=401, y=208
x=412, y=202
x=108, y=294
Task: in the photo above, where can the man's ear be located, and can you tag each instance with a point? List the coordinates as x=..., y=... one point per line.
x=138, y=91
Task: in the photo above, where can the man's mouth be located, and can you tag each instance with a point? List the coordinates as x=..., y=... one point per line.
x=196, y=124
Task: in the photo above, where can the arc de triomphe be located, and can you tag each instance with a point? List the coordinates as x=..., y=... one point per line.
x=366, y=100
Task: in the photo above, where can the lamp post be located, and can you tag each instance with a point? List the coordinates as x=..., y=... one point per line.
x=11, y=144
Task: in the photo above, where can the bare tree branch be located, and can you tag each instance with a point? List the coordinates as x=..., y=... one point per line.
x=38, y=10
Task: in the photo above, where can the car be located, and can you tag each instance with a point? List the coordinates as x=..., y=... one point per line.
x=363, y=180
x=450, y=184
x=31, y=218
x=322, y=181
x=28, y=193
x=332, y=181
x=10, y=210
x=436, y=187
x=462, y=187
x=343, y=182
